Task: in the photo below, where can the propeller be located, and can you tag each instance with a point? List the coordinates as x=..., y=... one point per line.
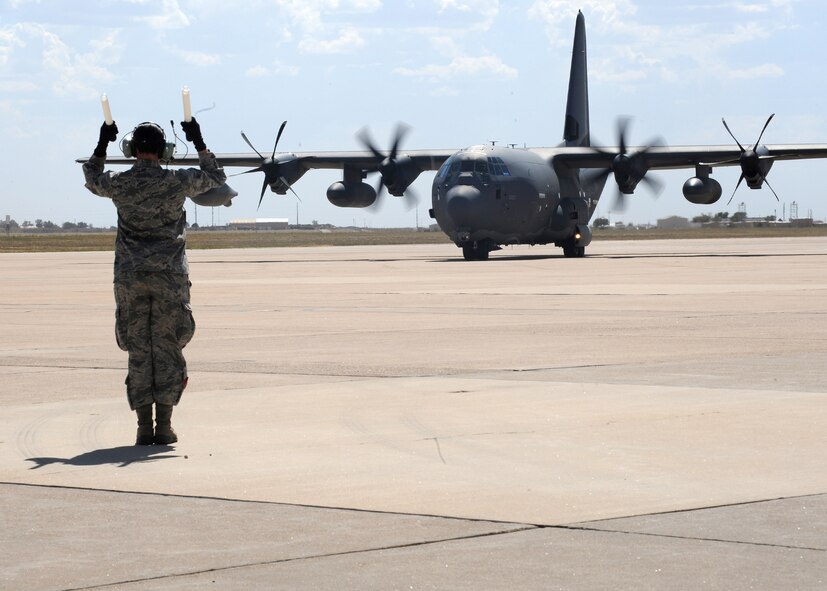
x=750, y=161
x=269, y=166
x=629, y=168
x=393, y=170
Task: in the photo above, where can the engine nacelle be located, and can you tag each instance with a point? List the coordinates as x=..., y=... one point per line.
x=222, y=195
x=283, y=172
x=702, y=191
x=399, y=174
x=351, y=194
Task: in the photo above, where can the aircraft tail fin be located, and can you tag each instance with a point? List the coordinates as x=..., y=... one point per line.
x=576, y=128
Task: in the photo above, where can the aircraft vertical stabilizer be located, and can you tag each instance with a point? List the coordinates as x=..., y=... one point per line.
x=576, y=129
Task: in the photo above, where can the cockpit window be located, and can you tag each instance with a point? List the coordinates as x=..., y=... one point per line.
x=478, y=166
x=446, y=166
x=493, y=165
x=450, y=167
x=498, y=167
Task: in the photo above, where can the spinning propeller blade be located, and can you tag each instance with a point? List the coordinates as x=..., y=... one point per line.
x=387, y=165
x=750, y=161
x=269, y=166
x=629, y=168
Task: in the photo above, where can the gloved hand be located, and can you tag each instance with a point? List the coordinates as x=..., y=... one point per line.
x=192, y=131
x=108, y=133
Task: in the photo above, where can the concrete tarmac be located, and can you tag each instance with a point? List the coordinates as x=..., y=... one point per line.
x=653, y=416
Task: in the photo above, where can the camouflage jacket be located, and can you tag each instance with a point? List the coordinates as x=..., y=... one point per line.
x=151, y=216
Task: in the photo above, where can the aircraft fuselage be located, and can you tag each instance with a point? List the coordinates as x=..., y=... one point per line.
x=497, y=195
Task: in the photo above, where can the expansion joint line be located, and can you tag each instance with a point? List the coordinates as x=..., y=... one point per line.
x=304, y=558
x=677, y=537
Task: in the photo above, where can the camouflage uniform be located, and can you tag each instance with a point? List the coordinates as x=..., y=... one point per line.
x=152, y=289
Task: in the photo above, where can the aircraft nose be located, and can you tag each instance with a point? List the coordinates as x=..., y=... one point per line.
x=462, y=205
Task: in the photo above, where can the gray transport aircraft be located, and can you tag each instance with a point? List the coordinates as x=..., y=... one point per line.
x=486, y=196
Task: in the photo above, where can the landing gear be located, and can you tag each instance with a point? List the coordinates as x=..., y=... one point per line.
x=475, y=251
x=574, y=247
x=571, y=251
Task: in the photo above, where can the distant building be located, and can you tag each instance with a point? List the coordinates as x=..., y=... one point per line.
x=259, y=224
x=673, y=223
x=802, y=222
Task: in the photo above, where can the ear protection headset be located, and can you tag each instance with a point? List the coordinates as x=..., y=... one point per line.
x=147, y=137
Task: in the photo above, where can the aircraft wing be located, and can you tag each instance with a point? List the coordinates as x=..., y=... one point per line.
x=630, y=165
x=674, y=157
x=360, y=159
x=283, y=169
x=657, y=157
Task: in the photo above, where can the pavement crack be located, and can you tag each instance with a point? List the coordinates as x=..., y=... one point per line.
x=595, y=528
x=689, y=538
x=438, y=449
x=306, y=557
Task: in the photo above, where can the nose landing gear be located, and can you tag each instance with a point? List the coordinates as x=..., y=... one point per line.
x=477, y=250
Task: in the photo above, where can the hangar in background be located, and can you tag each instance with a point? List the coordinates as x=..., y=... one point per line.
x=259, y=224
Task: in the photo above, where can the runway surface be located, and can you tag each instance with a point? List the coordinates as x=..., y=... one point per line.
x=653, y=416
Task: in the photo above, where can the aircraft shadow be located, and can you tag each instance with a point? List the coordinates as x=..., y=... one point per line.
x=501, y=257
x=305, y=261
x=664, y=255
x=121, y=456
x=703, y=255
x=521, y=257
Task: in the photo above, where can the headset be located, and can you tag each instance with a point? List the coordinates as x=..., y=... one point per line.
x=151, y=135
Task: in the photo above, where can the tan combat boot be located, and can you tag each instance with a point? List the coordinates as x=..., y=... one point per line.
x=145, y=434
x=164, y=434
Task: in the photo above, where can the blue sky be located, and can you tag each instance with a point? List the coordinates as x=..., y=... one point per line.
x=459, y=72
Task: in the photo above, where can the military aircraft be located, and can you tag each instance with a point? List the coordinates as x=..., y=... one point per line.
x=486, y=196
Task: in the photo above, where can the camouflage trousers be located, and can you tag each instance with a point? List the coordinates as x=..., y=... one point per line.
x=153, y=323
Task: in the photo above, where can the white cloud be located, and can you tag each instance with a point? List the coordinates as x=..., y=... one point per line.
x=17, y=86
x=640, y=51
x=257, y=72
x=199, y=58
x=170, y=17
x=349, y=40
x=365, y=5
x=462, y=66
x=762, y=71
x=309, y=14
x=277, y=69
x=9, y=40
x=762, y=7
x=318, y=37
x=70, y=73
x=482, y=13
x=559, y=12
x=445, y=91
x=751, y=8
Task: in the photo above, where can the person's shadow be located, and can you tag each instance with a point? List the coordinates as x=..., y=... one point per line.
x=120, y=456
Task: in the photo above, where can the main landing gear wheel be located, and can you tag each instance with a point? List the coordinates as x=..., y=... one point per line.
x=475, y=251
x=571, y=252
